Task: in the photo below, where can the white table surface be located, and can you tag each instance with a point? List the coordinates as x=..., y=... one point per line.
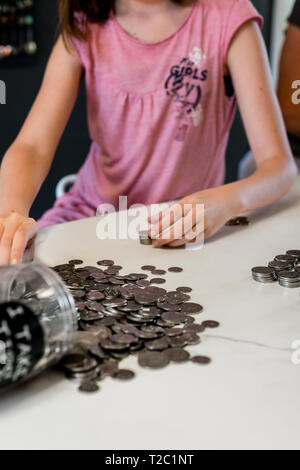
x=248, y=397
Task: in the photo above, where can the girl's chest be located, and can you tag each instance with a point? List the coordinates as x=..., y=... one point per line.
x=184, y=69
x=182, y=72
x=179, y=84
x=150, y=29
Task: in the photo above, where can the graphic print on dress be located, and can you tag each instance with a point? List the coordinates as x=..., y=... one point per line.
x=184, y=85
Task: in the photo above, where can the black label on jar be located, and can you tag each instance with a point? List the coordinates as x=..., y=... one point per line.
x=21, y=342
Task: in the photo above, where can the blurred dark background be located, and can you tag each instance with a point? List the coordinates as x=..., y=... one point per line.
x=23, y=82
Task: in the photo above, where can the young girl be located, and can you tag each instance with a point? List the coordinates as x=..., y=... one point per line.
x=160, y=106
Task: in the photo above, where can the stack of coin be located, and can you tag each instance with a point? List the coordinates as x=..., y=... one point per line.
x=284, y=268
x=289, y=279
x=120, y=315
x=285, y=259
x=295, y=254
x=279, y=266
x=264, y=274
x=144, y=238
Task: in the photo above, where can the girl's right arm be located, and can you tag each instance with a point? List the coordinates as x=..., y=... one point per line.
x=27, y=161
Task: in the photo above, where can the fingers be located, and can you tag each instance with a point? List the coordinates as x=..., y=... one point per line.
x=8, y=233
x=168, y=218
x=15, y=233
x=164, y=219
x=183, y=230
x=198, y=233
x=24, y=235
x=153, y=219
x=194, y=235
x=174, y=231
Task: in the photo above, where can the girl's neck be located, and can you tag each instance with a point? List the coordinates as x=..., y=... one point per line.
x=144, y=7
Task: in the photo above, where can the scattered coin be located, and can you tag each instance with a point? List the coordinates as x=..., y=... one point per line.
x=85, y=365
x=80, y=306
x=143, y=283
x=95, y=295
x=175, y=331
x=210, y=324
x=105, y=262
x=153, y=359
x=157, y=280
x=108, y=369
x=191, y=307
x=124, y=338
x=177, y=355
x=184, y=289
x=96, y=351
x=190, y=338
x=78, y=294
x=73, y=360
x=61, y=267
x=89, y=387
x=157, y=344
x=158, y=272
x=201, y=359
x=175, y=269
x=194, y=328
x=174, y=317
x=124, y=374
x=121, y=315
x=90, y=316
x=148, y=267
x=177, y=341
x=109, y=345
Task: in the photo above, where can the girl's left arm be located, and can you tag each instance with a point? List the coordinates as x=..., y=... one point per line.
x=263, y=121
x=247, y=62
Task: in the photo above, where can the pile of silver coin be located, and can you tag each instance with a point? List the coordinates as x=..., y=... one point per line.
x=120, y=315
x=283, y=268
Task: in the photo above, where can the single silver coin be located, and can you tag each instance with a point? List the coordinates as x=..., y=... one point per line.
x=89, y=387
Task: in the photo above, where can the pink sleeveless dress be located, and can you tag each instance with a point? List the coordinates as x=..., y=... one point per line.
x=158, y=114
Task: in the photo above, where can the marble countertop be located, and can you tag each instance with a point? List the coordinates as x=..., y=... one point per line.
x=248, y=397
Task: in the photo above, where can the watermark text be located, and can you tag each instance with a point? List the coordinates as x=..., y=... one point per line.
x=168, y=222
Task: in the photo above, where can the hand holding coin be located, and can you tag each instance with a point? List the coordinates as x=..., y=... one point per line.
x=196, y=216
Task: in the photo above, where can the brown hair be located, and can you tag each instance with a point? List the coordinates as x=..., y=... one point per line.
x=94, y=11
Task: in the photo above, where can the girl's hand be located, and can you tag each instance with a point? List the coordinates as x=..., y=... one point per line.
x=200, y=214
x=17, y=233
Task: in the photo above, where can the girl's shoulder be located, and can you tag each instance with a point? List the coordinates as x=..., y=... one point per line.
x=228, y=12
x=224, y=5
x=223, y=18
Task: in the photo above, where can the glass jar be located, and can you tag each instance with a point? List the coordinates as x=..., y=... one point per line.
x=38, y=320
